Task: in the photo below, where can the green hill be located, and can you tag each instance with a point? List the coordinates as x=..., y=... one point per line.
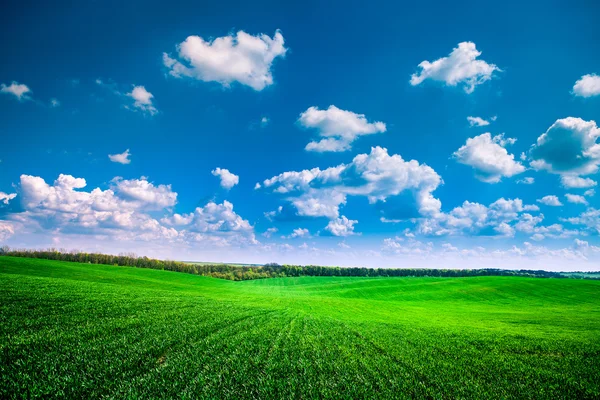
x=89, y=331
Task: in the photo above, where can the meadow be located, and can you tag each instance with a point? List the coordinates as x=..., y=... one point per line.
x=73, y=330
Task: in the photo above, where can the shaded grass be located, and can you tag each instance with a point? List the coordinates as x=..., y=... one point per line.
x=89, y=331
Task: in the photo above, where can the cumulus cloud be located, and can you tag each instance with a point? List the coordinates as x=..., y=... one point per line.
x=241, y=58
x=531, y=225
x=589, y=193
x=269, y=232
x=589, y=220
x=122, y=158
x=341, y=226
x=213, y=219
x=123, y=194
x=319, y=203
x=550, y=200
x=54, y=103
x=489, y=158
x=537, y=237
x=576, y=199
x=568, y=147
x=587, y=86
x=19, y=90
x=6, y=197
x=527, y=254
x=124, y=211
x=576, y=182
x=144, y=193
x=121, y=209
x=401, y=246
x=477, y=121
x=379, y=177
x=6, y=230
x=142, y=100
x=299, y=233
x=498, y=219
x=585, y=247
x=338, y=128
x=228, y=180
x=461, y=67
x=527, y=181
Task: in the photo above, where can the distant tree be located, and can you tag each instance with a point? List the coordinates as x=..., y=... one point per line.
x=270, y=270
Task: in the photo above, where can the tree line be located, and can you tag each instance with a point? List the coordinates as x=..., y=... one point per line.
x=271, y=270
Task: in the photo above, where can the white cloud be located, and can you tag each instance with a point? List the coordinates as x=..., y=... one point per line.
x=504, y=206
x=537, y=237
x=530, y=224
x=338, y=128
x=6, y=198
x=269, y=232
x=119, y=212
x=272, y=215
x=585, y=248
x=477, y=219
x=122, y=158
x=589, y=193
x=134, y=194
x=477, y=121
x=590, y=219
x=19, y=90
x=527, y=181
x=264, y=121
x=299, y=233
x=218, y=220
x=143, y=100
x=377, y=176
x=488, y=157
x=401, y=246
x=503, y=218
x=587, y=86
x=576, y=199
x=243, y=58
x=54, y=103
x=576, y=182
x=341, y=226
x=330, y=144
x=228, y=180
x=504, y=229
x=460, y=67
x=124, y=212
x=550, y=200
x=568, y=147
x=146, y=194
x=319, y=203
x=6, y=230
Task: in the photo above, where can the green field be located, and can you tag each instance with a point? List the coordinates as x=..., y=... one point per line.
x=91, y=331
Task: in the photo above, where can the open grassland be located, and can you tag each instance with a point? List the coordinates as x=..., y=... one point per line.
x=90, y=331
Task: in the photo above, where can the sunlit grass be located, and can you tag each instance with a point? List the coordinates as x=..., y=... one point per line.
x=89, y=331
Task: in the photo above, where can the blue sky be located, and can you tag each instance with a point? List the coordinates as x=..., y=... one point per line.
x=378, y=134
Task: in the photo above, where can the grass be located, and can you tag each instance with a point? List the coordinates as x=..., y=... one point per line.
x=93, y=331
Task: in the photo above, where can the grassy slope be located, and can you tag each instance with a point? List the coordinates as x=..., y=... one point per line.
x=89, y=331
